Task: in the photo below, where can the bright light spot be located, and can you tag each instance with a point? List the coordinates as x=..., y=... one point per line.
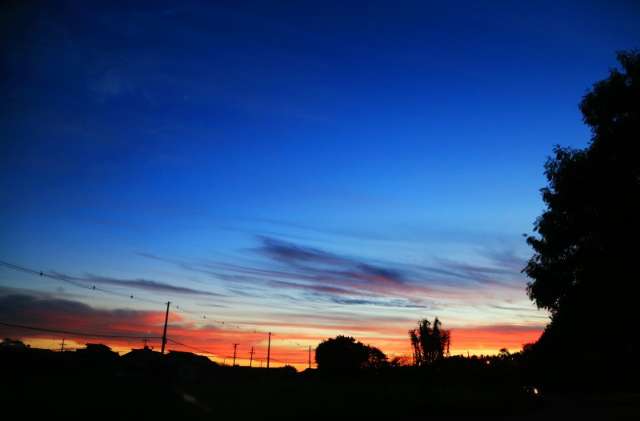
x=535, y=391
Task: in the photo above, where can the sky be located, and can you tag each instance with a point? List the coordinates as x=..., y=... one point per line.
x=302, y=168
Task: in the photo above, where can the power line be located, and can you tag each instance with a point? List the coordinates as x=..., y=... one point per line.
x=143, y=337
x=92, y=287
x=75, y=282
x=245, y=327
x=200, y=350
x=80, y=283
x=69, y=332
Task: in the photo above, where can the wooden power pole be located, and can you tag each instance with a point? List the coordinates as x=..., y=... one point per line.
x=269, y=350
x=164, y=331
x=235, y=347
x=251, y=357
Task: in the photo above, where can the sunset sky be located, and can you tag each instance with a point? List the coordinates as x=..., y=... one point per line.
x=304, y=168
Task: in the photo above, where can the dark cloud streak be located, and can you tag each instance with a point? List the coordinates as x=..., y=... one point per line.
x=345, y=279
x=139, y=283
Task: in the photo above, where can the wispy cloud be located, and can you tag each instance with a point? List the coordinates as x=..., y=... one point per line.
x=311, y=287
x=139, y=283
x=293, y=254
x=319, y=274
x=496, y=273
x=329, y=268
x=381, y=303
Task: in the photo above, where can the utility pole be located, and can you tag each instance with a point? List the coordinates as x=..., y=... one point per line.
x=251, y=357
x=62, y=345
x=164, y=331
x=309, y=356
x=235, y=347
x=269, y=350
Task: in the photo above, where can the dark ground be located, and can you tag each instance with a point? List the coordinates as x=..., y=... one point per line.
x=38, y=384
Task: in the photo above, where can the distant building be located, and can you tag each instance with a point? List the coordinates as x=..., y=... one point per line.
x=99, y=348
x=97, y=351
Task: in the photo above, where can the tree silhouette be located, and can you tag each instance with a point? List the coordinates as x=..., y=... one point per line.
x=586, y=243
x=429, y=342
x=345, y=354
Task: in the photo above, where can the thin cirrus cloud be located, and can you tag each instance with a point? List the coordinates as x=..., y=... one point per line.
x=139, y=283
x=310, y=287
x=316, y=274
x=313, y=259
x=338, y=275
x=470, y=296
x=321, y=272
x=390, y=303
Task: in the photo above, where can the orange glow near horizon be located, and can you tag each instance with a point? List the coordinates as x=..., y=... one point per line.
x=293, y=333
x=292, y=348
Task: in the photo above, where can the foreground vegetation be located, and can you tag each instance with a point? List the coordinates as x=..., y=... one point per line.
x=145, y=384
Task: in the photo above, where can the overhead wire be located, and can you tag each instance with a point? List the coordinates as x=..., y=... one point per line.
x=75, y=282
x=92, y=287
x=201, y=350
x=76, y=333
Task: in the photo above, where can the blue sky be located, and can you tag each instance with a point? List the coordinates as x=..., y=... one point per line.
x=396, y=135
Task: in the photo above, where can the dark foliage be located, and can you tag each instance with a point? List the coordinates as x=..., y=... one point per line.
x=430, y=342
x=343, y=354
x=584, y=269
x=42, y=384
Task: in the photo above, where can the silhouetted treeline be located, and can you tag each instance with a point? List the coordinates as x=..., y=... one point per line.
x=145, y=384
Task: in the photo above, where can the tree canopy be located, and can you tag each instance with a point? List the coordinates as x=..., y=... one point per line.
x=584, y=267
x=345, y=354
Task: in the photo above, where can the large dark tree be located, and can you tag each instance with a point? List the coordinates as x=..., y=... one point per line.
x=585, y=266
x=346, y=355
